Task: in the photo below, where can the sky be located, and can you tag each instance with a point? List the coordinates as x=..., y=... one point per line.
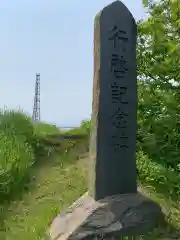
x=53, y=38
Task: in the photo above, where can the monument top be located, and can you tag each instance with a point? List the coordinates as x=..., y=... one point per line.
x=117, y=4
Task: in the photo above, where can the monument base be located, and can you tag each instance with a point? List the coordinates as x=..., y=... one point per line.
x=115, y=216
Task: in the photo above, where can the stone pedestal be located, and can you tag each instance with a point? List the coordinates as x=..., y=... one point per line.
x=109, y=218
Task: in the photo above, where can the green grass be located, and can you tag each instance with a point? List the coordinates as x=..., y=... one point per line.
x=21, y=147
x=17, y=153
x=16, y=157
x=57, y=184
x=43, y=129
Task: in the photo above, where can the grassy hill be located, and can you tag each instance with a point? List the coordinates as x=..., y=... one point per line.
x=45, y=173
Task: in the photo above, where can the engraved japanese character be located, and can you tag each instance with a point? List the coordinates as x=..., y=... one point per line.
x=116, y=35
x=119, y=119
x=117, y=144
x=119, y=137
x=118, y=65
x=117, y=93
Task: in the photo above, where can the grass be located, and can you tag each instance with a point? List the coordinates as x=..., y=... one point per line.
x=22, y=146
x=17, y=154
x=162, y=185
x=51, y=182
x=57, y=184
x=43, y=129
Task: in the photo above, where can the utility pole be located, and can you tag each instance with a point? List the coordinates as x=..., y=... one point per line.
x=36, y=108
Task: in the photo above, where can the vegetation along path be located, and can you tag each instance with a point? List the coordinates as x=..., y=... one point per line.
x=56, y=185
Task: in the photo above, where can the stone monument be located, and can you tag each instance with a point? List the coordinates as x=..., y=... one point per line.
x=113, y=137
x=112, y=208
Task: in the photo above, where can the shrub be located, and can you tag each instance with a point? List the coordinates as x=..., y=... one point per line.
x=42, y=129
x=165, y=180
x=16, y=157
x=16, y=153
x=17, y=123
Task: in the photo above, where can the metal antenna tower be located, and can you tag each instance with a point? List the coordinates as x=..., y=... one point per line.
x=36, y=108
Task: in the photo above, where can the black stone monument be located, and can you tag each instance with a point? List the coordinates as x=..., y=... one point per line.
x=113, y=137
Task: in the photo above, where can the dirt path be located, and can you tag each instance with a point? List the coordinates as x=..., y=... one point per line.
x=56, y=185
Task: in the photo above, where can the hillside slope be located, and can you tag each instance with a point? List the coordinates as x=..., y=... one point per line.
x=56, y=184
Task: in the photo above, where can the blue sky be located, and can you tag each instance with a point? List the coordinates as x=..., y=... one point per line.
x=54, y=38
